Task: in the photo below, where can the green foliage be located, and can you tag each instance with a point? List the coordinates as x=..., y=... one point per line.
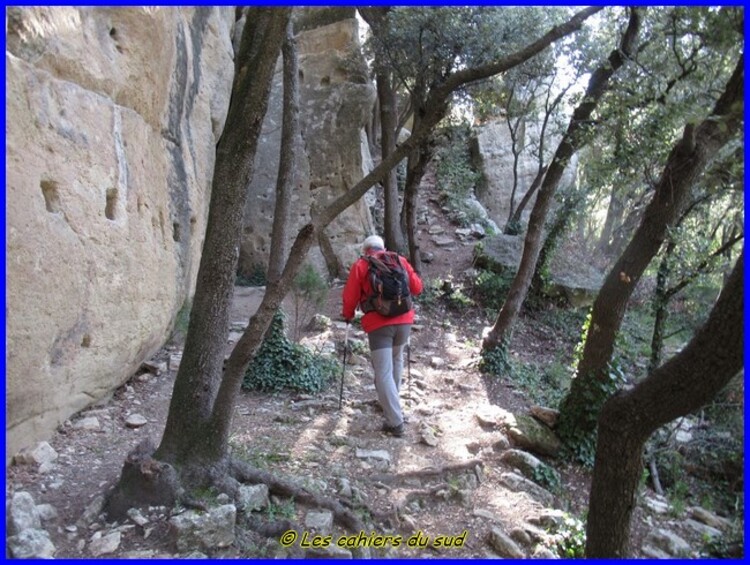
x=447, y=291
x=284, y=509
x=495, y=361
x=545, y=476
x=309, y=291
x=489, y=289
x=678, y=495
x=732, y=543
x=182, y=320
x=282, y=364
x=256, y=277
x=577, y=426
x=570, y=539
x=206, y=495
x=456, y=178
x=544, y=384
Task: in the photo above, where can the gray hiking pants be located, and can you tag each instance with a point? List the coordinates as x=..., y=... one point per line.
x=386, y=351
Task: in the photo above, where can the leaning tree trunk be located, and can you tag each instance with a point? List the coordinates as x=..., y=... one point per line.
x=287, y=157
x=685, y=163
x=683, y=384
x=574, y=139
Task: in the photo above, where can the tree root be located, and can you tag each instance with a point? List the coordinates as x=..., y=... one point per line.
x=431, y=472
x=246, y=473
x=146, y=481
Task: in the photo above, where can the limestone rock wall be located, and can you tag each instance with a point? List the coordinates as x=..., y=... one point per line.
x=492, y=155
x=336, y=100
x=112, y=120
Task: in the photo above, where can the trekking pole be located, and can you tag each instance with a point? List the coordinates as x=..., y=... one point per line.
x=343, y=371
x=408, y=367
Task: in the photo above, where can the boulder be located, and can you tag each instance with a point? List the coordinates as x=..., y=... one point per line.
x=104, y=544
x=22, y=513
x=570, y=278
x=499, y=253
x=205, y=530
x=41, y=454
x=319, y=520
x=377, y=454
x=522, y=484
x=491, y=150
x=31, y=544
x=252, y=497
x=504, y=545
x=528, y=465
x=668, y=542
x=709, y=518
x=548, y=416
x=530, y=435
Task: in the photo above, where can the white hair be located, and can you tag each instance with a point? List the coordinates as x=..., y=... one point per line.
x=373, y=242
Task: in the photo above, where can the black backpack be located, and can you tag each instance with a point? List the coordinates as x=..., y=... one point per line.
x=390, y=285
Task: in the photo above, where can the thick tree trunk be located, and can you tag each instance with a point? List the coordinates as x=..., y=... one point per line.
x=572, y=141
x=200, y=372
x=686, y=382
x=685, y=163
x=287, y=158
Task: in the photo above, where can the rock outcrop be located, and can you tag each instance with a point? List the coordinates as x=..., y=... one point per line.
x=493, y=158
x=570, y=278
x=336, y=100
x=113, y=116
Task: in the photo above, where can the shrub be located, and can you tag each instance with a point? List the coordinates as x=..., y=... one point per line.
x=309, y=290
x=282, y=364
x=490, y=289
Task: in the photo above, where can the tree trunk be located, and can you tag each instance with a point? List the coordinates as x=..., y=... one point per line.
x=562, y=220
x=659, y=308
x=416, y=167
x=512, y=227
x=287, y=158
x=686, y=382
x=197, y=382
x=685, y=163
x=394, y=237
x=613, y=220
x=572, y=141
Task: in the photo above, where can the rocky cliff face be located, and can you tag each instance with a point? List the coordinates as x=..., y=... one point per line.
x=336, y=100
x=113, y=116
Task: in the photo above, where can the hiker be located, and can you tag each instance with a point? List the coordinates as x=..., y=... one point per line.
x=387, y=334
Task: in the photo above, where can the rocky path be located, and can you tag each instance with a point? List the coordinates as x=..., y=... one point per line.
x=472, y=477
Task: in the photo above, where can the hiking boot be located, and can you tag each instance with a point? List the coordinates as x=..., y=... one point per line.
x=395, y=431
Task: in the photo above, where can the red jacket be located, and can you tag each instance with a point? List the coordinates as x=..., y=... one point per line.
x=358, y=288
